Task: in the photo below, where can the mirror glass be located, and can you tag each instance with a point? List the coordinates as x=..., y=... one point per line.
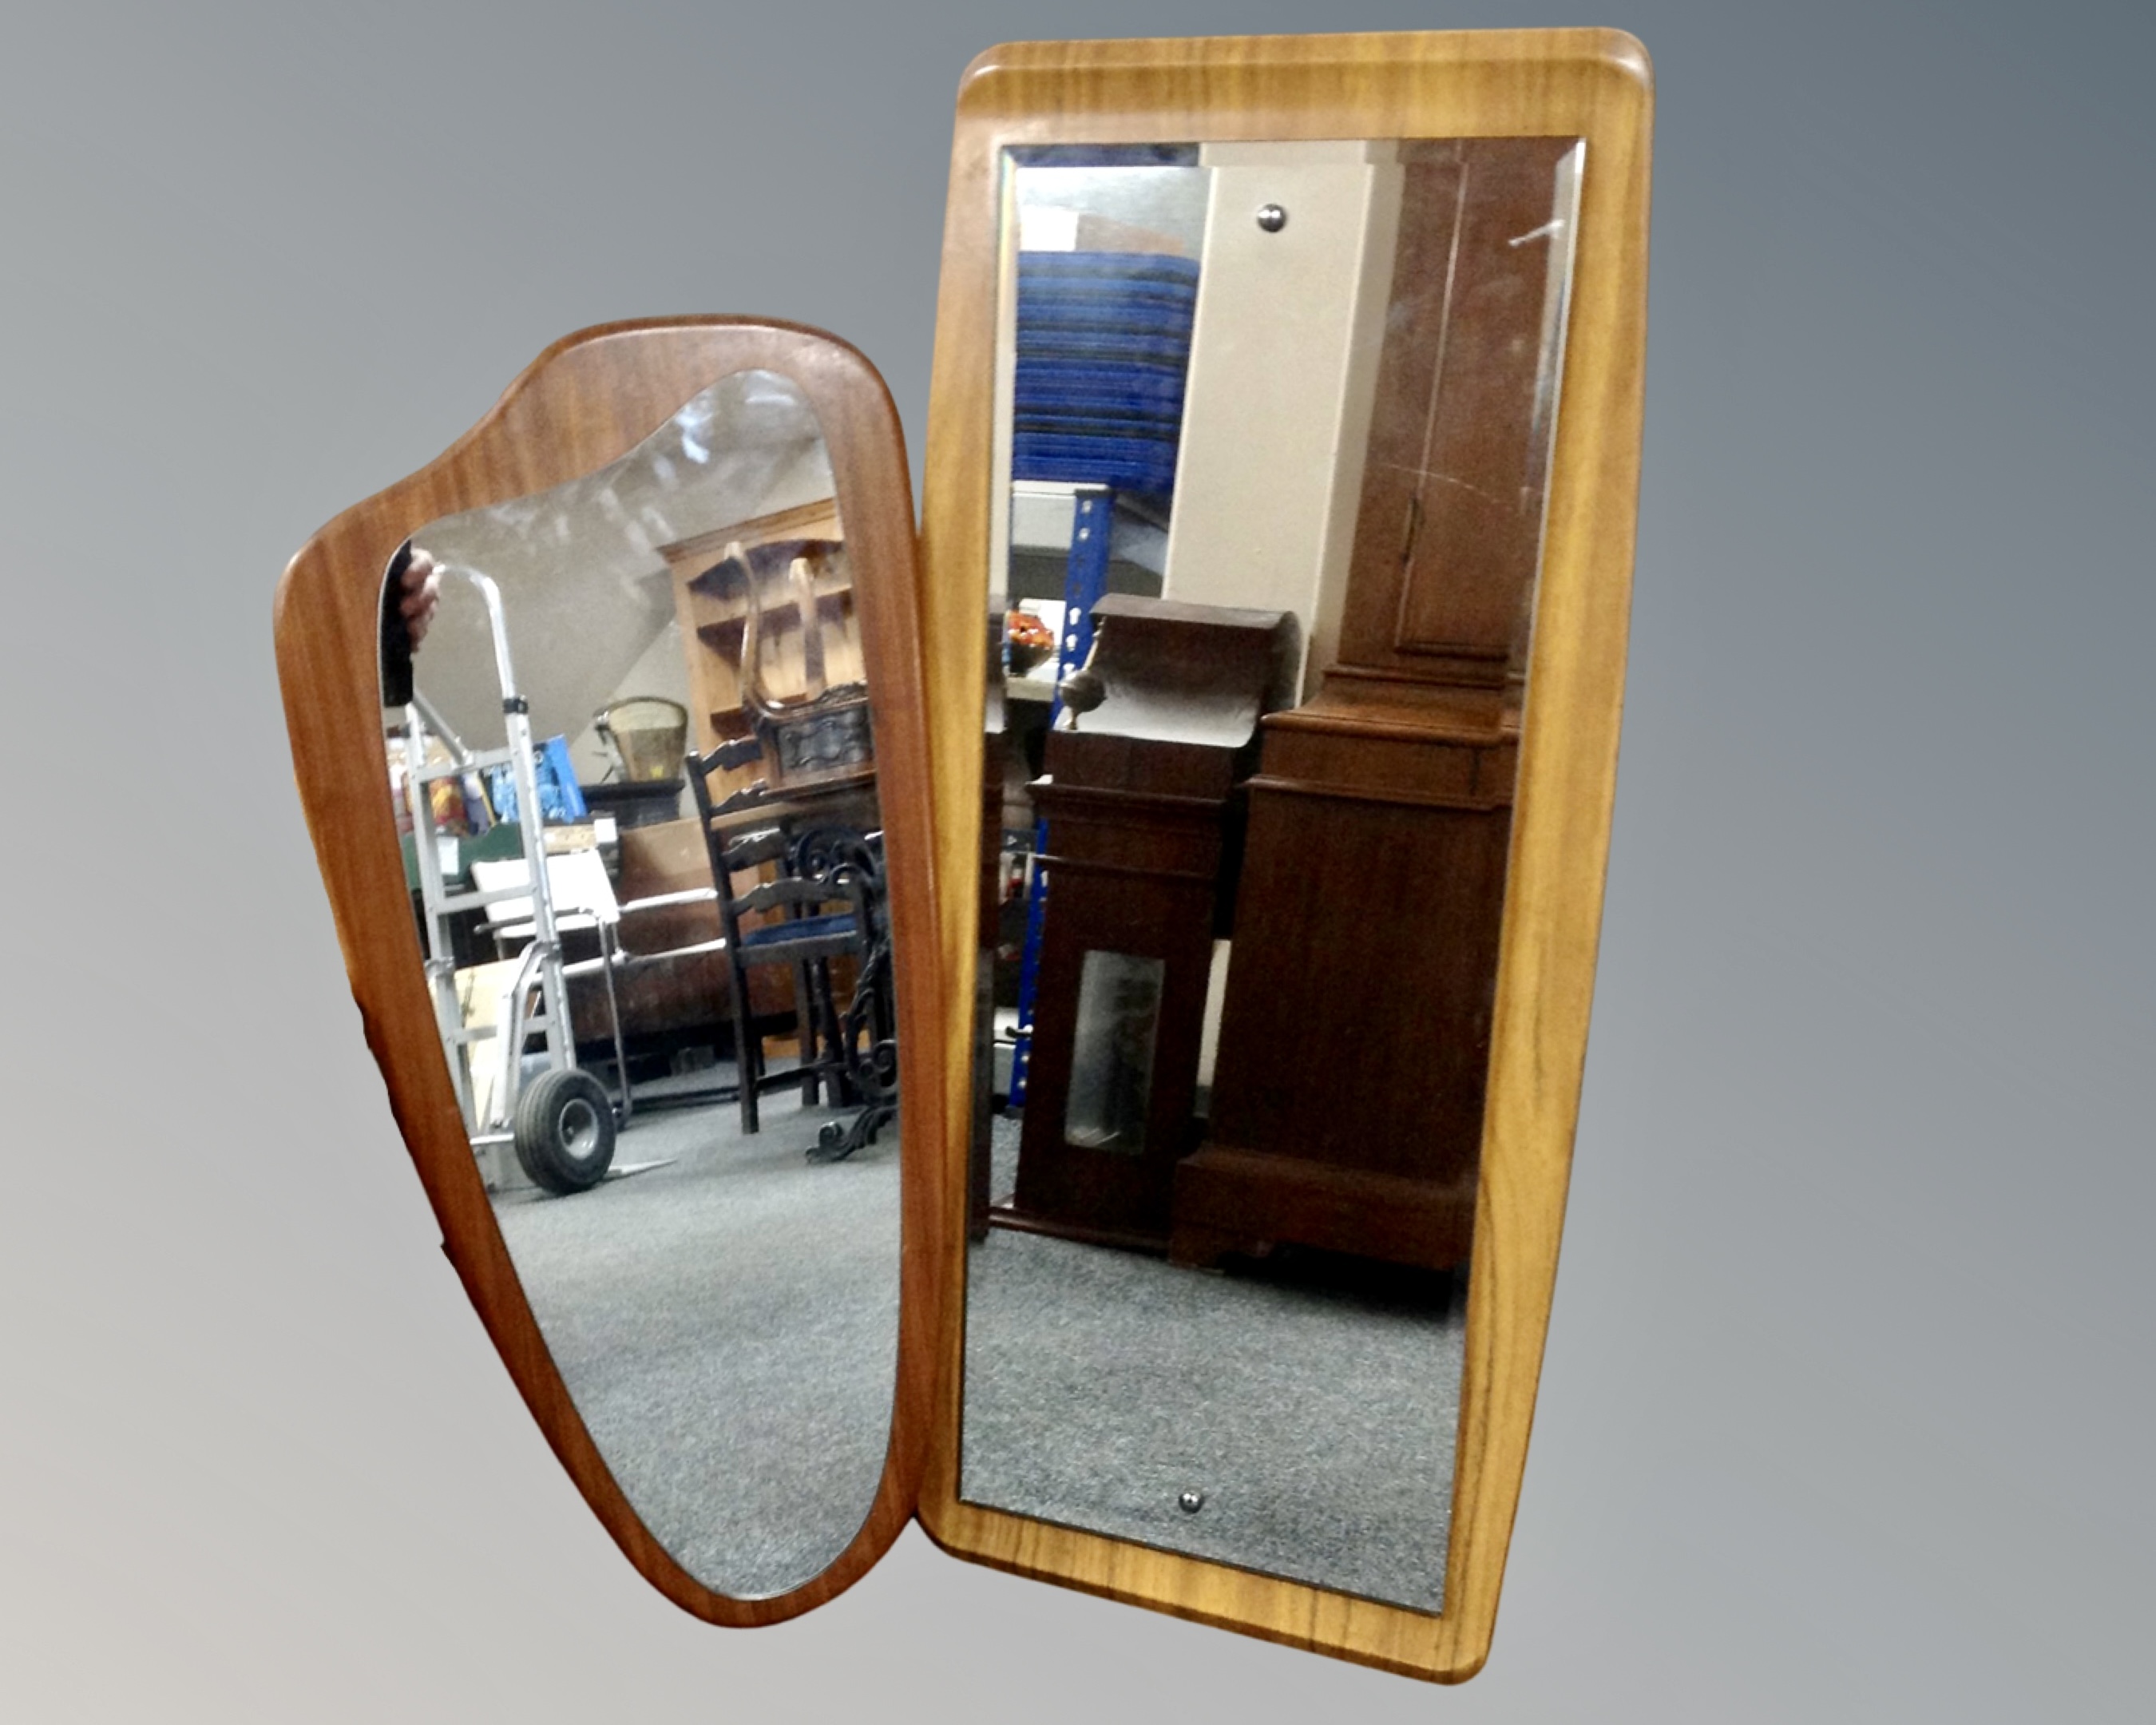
x=1272, y=427
x=626, y=731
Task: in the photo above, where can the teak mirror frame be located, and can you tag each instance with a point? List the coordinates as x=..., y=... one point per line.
x=592, y=396
x=1592, y=85
x=586, y=401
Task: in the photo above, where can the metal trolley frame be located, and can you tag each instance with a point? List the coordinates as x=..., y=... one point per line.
x=560, y=1122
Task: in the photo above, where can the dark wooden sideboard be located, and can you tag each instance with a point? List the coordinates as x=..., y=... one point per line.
x=1355, y=1035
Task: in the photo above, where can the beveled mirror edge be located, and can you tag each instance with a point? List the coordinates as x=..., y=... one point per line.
x=1596, y=84
x=585, y=402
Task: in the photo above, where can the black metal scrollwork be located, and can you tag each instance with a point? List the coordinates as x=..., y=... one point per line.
x=868, y=1044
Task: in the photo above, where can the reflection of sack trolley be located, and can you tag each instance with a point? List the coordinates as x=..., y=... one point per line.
x=561, y=1120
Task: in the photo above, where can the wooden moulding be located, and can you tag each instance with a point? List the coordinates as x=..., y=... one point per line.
x=582, y=403
x=1593, y=84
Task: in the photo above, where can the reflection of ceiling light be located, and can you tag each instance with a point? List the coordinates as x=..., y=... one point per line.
x=765, y=387
x=695, y=420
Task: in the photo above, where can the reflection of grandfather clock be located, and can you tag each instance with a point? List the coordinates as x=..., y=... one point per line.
x=1137, y=805
x=1355, y=1033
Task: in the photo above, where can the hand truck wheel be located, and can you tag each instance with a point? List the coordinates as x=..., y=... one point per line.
x=564, y=1131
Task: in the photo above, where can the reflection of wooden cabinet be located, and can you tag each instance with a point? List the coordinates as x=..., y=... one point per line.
x=1138, y=803
x=1448, y=529
x=1355, y=1033
x=1136, y=833
x=712, y=604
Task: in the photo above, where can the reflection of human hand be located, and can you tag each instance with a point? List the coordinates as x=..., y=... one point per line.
x=422, y=594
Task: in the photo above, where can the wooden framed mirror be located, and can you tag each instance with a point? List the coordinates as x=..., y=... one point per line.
x=635, y=665
x=1100, y=1066
x=1283, y=455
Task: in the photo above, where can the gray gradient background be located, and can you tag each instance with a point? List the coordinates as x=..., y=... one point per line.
x=1848, y=1401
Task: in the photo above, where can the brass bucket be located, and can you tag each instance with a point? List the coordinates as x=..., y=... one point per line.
x=649, y=735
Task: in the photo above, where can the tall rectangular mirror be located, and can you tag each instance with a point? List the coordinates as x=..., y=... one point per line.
x=1254, y=455
x=1277, y=418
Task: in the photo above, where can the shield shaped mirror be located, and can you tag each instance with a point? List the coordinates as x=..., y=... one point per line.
x=608, y=726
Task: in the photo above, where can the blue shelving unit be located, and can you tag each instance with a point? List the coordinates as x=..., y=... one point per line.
x=1085, y=583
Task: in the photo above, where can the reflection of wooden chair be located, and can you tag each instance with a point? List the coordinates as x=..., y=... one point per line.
x=812, y=920
x=804, y=710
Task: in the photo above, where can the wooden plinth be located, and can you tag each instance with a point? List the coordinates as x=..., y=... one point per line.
x=1231, y=1200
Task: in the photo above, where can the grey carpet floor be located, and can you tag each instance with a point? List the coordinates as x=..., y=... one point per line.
x=728, y=1326
x=1317, y=1412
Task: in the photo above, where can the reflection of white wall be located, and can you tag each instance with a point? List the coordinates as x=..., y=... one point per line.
x=1216, y=996
x=589, y=602
x=1155, y=207
x=1283, y=370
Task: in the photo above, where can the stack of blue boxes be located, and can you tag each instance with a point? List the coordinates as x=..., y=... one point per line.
x=1103, y=345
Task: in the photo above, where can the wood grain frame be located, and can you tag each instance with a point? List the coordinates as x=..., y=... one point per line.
x=1594, y=84
x=585, y=402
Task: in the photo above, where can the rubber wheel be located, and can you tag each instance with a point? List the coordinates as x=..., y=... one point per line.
x=565, y=1131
